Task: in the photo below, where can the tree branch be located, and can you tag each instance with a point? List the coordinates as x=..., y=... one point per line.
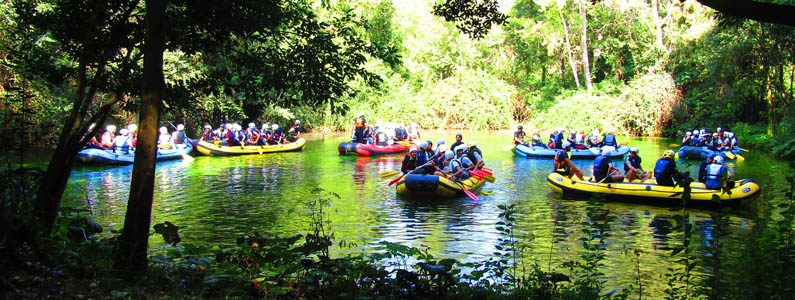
x=754, y=10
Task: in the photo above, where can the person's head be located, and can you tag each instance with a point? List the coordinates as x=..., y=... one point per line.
x=429, y=144
x=222, y=126
x=180, y=127
x=163, y=130
x=207, y=127
x=132, y=128
x=668, y=154
x=567, y=145
x=440, y=142
x=711, y=158
x=252, y=125
x=413, y=152
x=563, y=130
x=606, y=151
x=458, y=137
x=229, y=126
x=442, y=148
x=715, y=135
x=265, y=126
x=460, y=150
x=111, y=128
x=731, y=134
x=361, y=114
x=633, y=151
x=449, y=155
x=297, y=122
x=123, y=131
x=575, y=131
x=423, y=145
x=520, y=127
x=275, y=126
x=720, y=129
x=689, y=133
x=473, y=145
x=718, y=160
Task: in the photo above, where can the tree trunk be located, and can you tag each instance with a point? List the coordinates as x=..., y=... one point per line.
x=586, y=65
x=771, y=109
x=568, y=50
x=658, y=32
x=134, y=241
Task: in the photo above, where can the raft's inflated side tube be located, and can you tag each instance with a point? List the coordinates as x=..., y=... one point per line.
x=108, y=157
x=207, y=148
x=542, y=152
x=434, y=187
x=348, y=148
x=701, y=153
x=373, y=150
x=743, y=192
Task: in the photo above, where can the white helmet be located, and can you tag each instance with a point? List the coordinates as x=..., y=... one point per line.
x=111, y=128
x=265, y=125
x=566, y=144
x=180, y=127
x=606, y=151
x=449, y=155
x=297, y=121
x=423, y=144
x=461, y=148
x=440, y=142
x=252, y=125
x=714, y=134
x=123, y=131
x=563, y=130
x=703, y=131
x=132, y=128
x=719, y=129
x=361, y=113
x=717, y=160
x=473, y=144
x=413, y=149
x=275, y=126
x=163, y=129
x=731, y=134
x=634, y=149
x=207, y=126
x=442, y=148
x=689, y=133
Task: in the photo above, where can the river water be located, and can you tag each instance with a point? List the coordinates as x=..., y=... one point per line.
x=216, y=199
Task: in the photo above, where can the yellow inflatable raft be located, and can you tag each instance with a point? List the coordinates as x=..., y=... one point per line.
x=207, y=148
x=743, y=192
x=432, y=186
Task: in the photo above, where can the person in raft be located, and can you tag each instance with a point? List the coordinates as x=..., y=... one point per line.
x=178, y=137
x=536, y=139
x=702, y=169
x=410, y=161
x=164, y=139
x=632, y=167
x=358, y=128
x=552, y=139
x=518, y=136
x=718, y=175
x=107, y=138
x=458, y=141
x=207, y=134
x=603, y=169
x=563, y=164
x=665, y=169
x=475, y=156
x=595, y=139
x=295, y=132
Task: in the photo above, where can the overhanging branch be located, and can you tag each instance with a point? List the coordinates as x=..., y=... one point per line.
x=754, y=10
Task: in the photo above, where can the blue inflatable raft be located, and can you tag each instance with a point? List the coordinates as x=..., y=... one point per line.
x=701, y=153
x=110, y=157
x=544, y=152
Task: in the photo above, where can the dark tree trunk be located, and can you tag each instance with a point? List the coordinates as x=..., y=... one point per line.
x=133, y=248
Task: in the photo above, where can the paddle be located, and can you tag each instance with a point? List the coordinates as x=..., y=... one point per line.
x=739, y=157
x=185, y=156
x=388, y=174
x=412, y=171
x=608, y=175
x=729, y=155
x=595, y=151
x=746, y=150
x=508, y=148
x=673, y=145
x=467, y=192
x=480, y=174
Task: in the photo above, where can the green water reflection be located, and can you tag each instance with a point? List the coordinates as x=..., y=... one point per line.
x=216, y=199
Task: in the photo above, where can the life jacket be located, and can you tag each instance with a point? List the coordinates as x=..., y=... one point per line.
x=610, y=140
x=713, y=176
x=179, y=136
x=278, y=134
x=579, y=139
x=559, y=141
x=361, y=122
x=634, y=161
x=268, y=135
x=518, y=134
x=560, y=158
x=164, y=139
x=121, y=143
x=253, y=134
x=471, y=156
x=460, y=163
x=296, y=129
x=107, y=139
x=408, y=164
x=207, y=135
x=702, y=171
x=422, y=157
x=664, y=168
x=600, y=167
x=687, y=141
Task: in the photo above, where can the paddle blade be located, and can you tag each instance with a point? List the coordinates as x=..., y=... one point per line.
x=487, y=169
x=489, y=178
x=595, y=151
x=673, y=145
x=388, y=174
x=729, y=155
x=470, y=194
x=508, y=148
x=745, y=150
x=396, y=179
x=187, y=158
x=739, y=157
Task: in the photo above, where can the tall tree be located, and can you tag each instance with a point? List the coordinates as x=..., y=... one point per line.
x=568, y=49
x=586, y=64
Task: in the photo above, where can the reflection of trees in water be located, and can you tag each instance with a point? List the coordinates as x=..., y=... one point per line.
x=662, y=227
